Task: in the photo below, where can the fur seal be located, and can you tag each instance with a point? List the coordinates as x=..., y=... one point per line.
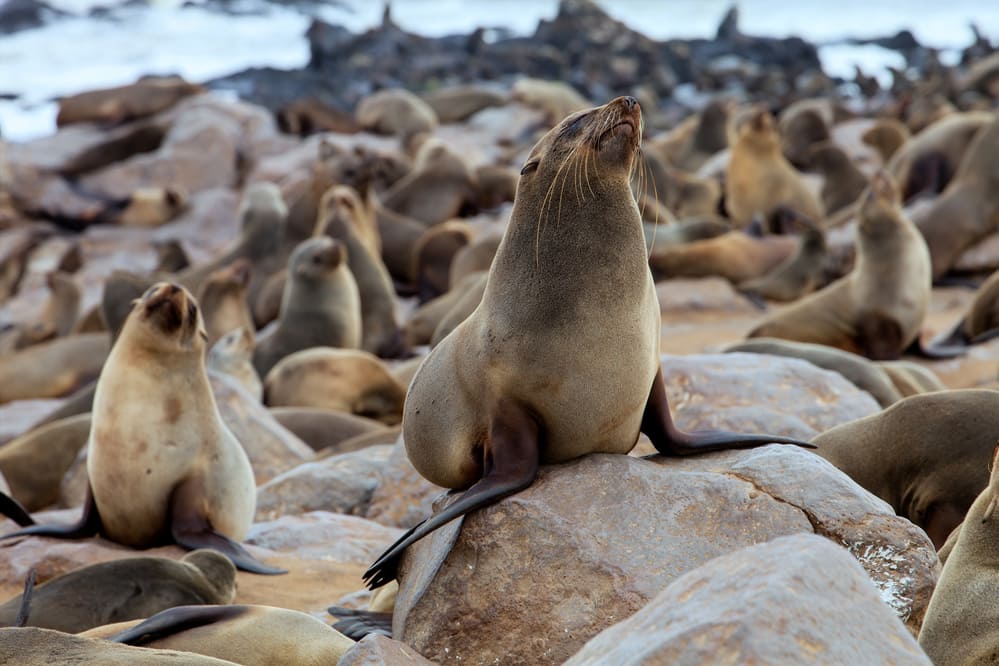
x=320, y=307
x=801, y=126
x=911, y=378
x=395, y=111
x=842, y=181
x=433, y=255
x=877, y=309
x=247, y=635
x=862, y=373
x=223, y=300
x=425, y=320
x=232, y=355
x=161, y=464
x=494, y=399
x=886, y=136
x=148, y=95
x=345, y=380
x=127, y=589
x=59, y=315
x=927, y=455
x=981, y=323
x=759, y=179
x=54, y=368
x=340, y=218
x=399, y=236
x=323, y=428
x=493, y=185
x=555, y=99
x=961, y=625
x=475, y=257
x=31, y=646
x=470, y=297
x=151, y=207
x=927, y=161
x=968, y=209
x=735, y=256
x=35, y=463
x=437, y=187
x=455, y=104
x=694, y=142
x=798, y=275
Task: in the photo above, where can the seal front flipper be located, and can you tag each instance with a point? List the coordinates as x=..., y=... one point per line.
x=357, y=623
x=175, y=620
x=13, y=509
x=192, y=529
x=88, y=525
x=510, y=464
x=658, y=426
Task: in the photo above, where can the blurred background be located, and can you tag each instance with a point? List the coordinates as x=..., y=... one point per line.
x=60, y=47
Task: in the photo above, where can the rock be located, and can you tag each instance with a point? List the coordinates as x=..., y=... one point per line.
x=271, y=447
x=678, y=297
x=581, y=566
x=751, y=393
x=325, y=536
x=795, y=600
x=378, y=650
x=403, y=498
x=16, y=15
x=341, y=484
x=18, y=417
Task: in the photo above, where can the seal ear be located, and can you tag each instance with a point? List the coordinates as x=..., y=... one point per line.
x=529, y=167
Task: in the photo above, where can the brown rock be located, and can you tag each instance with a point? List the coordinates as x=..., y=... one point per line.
x=377, y=650
x=341, y=484
x=271, y=447
x=581, y=566
x=325, y=536
x=403, y=498
x=795, y=600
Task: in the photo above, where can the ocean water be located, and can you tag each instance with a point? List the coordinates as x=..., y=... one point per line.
x=75, y=54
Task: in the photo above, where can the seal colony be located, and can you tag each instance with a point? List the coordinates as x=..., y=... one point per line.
x=494, y=400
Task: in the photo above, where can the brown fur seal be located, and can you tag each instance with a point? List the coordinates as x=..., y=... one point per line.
x=433, y=255
x=981, y=323
x=842, y=181
x=464, y=306
x=232, y=355
x=54, y=368
x=961, y=626
x=145, y=97
x=399, y=236
x=345, y=380
x=927, y=455
x=59, y=315
x=735, y=256
x=968, y=210
x=425, y=320
x=802, y=125
x=911, y=378
x=759, y=179
x=927, y=161
x=151, y=207
x=31, y=646
x=397, y=112
x=886, y=136
x=493, y=186
x=695, y=141
x=475, y=257
x=127, y=589
x=223, y=300
x=555, y=99
x=437, y=187
x=684, y=194
x=859, y=371
x=320, y=307
x=162, y=465
x=798, y=275
x=340, y=218
x=35, y=462
x=455, y=104
x=323, y=428
x=494, y=399
x=247, y=635
x=877, y=310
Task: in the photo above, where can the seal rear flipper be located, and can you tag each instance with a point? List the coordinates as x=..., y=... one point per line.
x=936, y=351
x=511, y=464
x=879, y=337
x=174, y=621
x=658, y=426
x=192, y=529
x=88, y=525
x=14, y=510
x=355, y=624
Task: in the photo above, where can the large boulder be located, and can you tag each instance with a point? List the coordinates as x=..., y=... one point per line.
x=580, y=566
x=402, y=497
x=377, y=650
x=795, y=600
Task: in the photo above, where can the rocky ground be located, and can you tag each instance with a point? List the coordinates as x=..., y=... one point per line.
x=769, y=555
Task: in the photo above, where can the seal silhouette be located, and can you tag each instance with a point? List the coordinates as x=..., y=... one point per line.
x=556, y=362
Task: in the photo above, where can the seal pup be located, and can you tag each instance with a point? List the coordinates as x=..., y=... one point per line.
x=247, y=635
x=968, y=209
x=961, y=625
x=555, y=362
x=320, y=307
x=232, y=355
x=798, y=275
x=131, y=588
x=59, y=315
x=927, y=455
x=877, y=309
x=161, y=464
x=759, y=179
x=340, y=211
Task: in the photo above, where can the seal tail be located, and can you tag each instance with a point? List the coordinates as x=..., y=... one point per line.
x=511, y=465
x=355, y=624
x=657, y=424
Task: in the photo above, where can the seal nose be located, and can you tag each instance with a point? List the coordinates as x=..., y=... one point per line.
x=629, y=102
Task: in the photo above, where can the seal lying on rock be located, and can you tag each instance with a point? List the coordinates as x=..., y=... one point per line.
x=556, y=362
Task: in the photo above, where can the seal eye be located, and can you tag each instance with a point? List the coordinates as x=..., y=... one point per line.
x=529, y=167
